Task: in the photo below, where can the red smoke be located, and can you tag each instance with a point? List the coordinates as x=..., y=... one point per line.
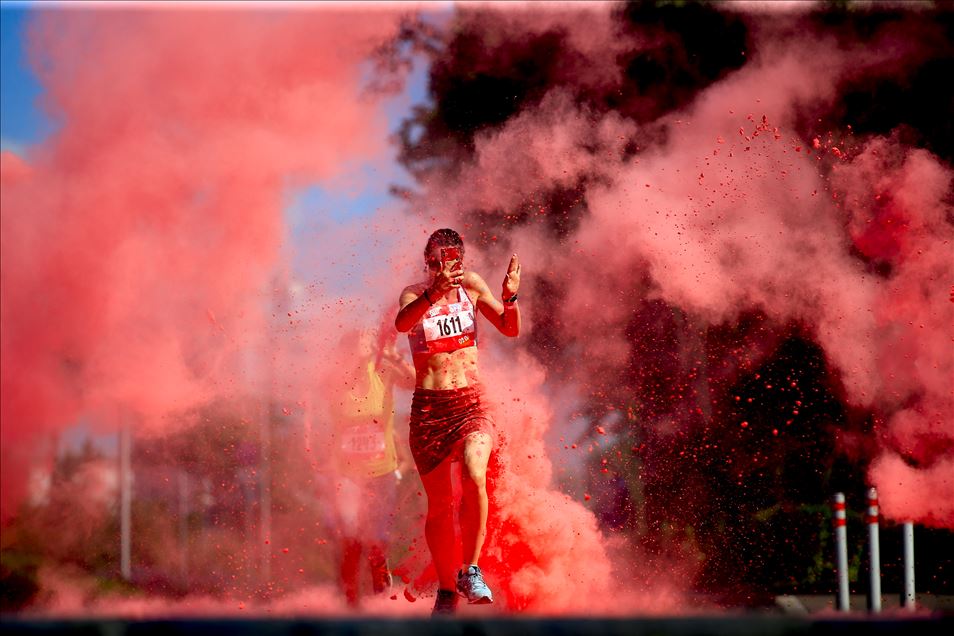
x=727, y=210
x=142, y=242
x=148, y=227
x=900, y=211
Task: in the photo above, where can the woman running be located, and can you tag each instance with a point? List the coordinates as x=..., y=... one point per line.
x=450, y=427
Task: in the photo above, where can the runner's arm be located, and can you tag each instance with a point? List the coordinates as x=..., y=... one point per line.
x=414, y=301
x=400, y=371
x=505, y=317
x=414, y=304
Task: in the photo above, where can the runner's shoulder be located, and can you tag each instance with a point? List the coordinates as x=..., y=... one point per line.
x=415, y=288
x=477, y=286
x=473, y=280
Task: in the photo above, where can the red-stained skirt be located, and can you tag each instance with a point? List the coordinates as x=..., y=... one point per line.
x=441, y=419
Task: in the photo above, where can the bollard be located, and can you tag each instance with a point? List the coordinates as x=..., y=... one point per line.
x=125, y=502
x=907, y=540
x=874, y=561
x=841, y=551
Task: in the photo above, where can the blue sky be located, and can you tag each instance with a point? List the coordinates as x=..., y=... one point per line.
x=21, y=121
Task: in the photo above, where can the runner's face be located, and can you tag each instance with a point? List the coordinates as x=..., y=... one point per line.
x=433, y=259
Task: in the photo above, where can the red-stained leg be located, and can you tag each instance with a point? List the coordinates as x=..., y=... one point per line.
x=474, y=504
x=439, y=529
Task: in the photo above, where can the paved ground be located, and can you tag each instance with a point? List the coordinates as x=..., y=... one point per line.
x=738, y=625
x=890, y=603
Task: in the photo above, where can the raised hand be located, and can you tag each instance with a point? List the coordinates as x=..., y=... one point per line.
x=511, y=282
x=450, y=277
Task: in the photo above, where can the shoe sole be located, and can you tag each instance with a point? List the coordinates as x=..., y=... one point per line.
x=483, y=600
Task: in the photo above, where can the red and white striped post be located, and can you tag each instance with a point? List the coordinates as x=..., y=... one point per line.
x=841, y=551
x=908, y=600
x=874, y=562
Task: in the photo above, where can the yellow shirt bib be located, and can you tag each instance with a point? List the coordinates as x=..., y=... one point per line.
x=365, y=430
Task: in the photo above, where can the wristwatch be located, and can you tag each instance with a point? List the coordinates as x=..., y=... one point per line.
x=511, y=300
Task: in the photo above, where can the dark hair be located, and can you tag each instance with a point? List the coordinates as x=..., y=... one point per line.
x=445, y=237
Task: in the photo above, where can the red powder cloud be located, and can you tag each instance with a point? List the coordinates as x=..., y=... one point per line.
x=727, y=210
x=139, y=245
x=141, y=242
x=149, y=225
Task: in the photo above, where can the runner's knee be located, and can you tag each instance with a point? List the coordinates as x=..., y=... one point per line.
x=476, y=456
x=476, y=473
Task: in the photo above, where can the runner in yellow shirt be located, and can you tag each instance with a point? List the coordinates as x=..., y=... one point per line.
x=366, y=457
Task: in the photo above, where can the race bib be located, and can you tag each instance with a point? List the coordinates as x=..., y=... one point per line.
x=445, y=328
x=452, y=328
x=365, y=439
